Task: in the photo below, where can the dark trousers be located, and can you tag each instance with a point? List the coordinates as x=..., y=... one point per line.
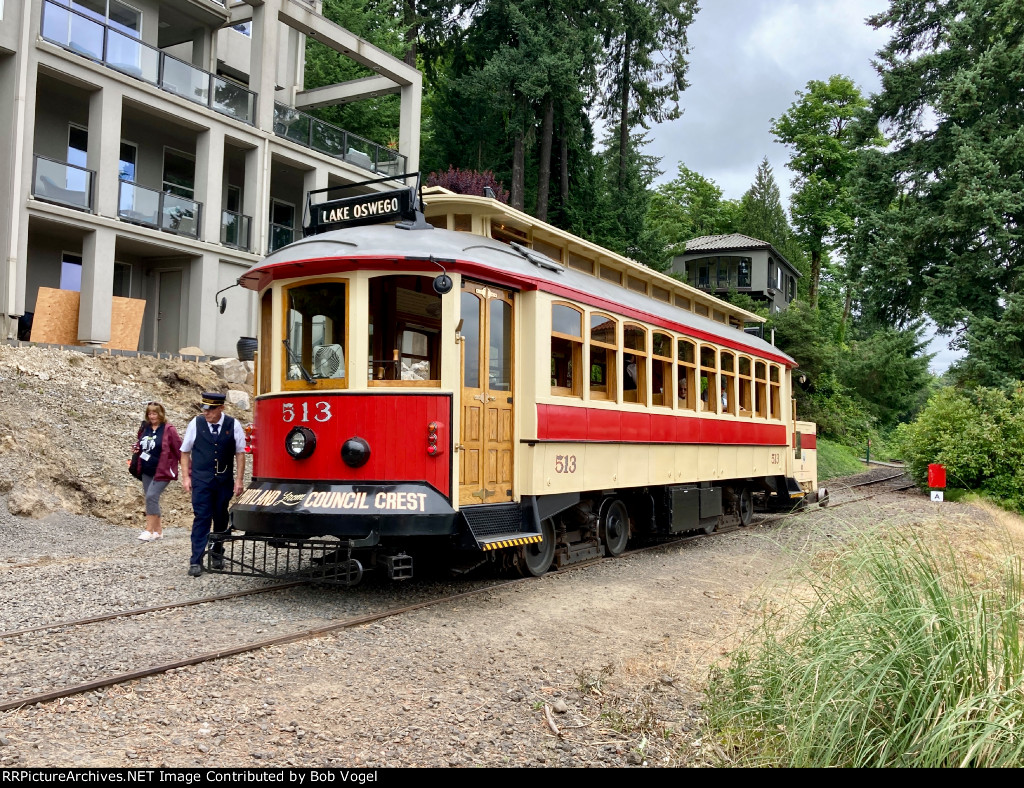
x=210, y=504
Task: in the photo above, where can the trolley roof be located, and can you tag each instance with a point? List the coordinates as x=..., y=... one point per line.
x=427, y=249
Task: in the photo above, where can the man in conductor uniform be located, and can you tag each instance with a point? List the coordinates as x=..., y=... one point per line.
x=212, y=468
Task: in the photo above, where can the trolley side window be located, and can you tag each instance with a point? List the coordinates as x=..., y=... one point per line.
x=775, y=386
x=708, y=379
x=315, y=335
x=661, y=370
x=686, y=375
x=761, y=389
x=566, y=351
x=603, y=354
x=405, y=330
x=264, y=355
x=728, y=398
x=634, y=374
x=744, y=383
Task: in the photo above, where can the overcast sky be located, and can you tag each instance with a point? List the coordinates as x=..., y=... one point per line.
x=748, y=58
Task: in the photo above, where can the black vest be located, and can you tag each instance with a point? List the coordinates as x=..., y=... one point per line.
x=213, y=457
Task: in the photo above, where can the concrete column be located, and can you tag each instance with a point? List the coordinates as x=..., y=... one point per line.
x=202, y=49
x=201, y=330
x=210, y=181
x=311, y=180
x=97, y=286
x=409, y=123
x=263, y=51
x=105, y=149
x=256, y=195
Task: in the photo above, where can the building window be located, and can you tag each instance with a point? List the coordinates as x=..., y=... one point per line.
x=661, y=370
x=566, y=351
x=179, y=173
x=743, y=279
x=634, y=373
x=604, y=349
x=245, y=28
x=71, y=272
x=686, y=373
x=122, y=280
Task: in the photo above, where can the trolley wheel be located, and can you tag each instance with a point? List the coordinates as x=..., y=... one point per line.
x=615, y=528
x=746, y=506
x=537, y=557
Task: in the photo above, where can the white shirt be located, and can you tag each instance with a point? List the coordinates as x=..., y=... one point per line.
x=190, y=433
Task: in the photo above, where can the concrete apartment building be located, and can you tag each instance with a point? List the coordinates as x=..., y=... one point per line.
x=156, y=149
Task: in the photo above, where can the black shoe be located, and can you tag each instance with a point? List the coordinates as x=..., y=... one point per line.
x=216, y=562
x=195, y=570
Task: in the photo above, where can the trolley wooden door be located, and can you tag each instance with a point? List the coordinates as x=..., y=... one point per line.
x=485, y=443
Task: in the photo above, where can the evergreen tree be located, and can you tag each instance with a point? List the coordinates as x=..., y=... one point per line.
x=943, y=215
x=819, y=127
x=688, y=207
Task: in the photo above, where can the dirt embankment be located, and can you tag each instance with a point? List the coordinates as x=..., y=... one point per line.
x=68, y=422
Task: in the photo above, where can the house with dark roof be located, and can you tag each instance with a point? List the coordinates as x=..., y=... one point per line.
x=721, y=264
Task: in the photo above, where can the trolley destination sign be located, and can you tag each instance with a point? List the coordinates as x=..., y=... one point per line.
x=361, y=209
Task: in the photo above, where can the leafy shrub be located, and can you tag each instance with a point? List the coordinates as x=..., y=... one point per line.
x=977, y=435
x=468, y=182
x=897, y=662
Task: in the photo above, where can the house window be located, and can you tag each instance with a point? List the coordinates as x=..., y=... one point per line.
x=743, y=279
x=122, y=280
x=179, y=173
x=604, y=351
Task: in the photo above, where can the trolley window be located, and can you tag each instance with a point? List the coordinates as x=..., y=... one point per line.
x=566, y=351
x=761, y=389
x=775, y=387
x=708, y=379
x=263, y=357
x=686, y=375
x=470, y=312
x=315, y=335
x=728, y=398
x=744, y=381
x=404, y=332
x=634, y=378
x=661, y=370
x=603, y=353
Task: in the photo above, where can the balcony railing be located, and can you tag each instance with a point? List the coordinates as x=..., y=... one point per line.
x=62, y=183
x=297, y=126
x=236, y=230
x=280, y=235
x=161, y=210
x=92, y=39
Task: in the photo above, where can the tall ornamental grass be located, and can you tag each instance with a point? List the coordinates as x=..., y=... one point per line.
x=898, y=661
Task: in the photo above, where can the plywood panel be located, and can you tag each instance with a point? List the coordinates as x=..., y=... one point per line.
x=56, y=319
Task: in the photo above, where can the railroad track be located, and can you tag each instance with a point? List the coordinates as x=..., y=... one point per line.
x=336, y=626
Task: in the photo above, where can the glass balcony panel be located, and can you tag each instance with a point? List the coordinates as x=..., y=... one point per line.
x=291, y=124
x=180, y=215
x=72, y=30
x=361, y=152
x=58, y=182
x=138, y=204
x=280, y=235
x=233, y=100
x=235, y=230
x=186, y=81
x=327, y=138
x=134, y=58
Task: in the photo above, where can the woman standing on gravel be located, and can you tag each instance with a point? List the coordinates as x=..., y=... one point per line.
x=161, y=451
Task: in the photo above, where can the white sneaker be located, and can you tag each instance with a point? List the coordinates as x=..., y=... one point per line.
x=153, y=536
x=146, y=536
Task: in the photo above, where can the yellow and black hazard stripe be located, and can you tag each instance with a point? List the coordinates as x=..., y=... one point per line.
x=511, y=542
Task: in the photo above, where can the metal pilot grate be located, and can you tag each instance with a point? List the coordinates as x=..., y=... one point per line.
x=496, y=519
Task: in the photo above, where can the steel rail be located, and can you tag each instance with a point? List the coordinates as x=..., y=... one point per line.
x=138, y=611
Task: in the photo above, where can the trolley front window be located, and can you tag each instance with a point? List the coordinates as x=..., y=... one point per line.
x=315, y=335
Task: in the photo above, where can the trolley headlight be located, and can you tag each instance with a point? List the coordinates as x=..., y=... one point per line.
x=355, y=452
x=300, y=442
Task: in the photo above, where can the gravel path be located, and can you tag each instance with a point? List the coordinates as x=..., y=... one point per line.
x=616, y=653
